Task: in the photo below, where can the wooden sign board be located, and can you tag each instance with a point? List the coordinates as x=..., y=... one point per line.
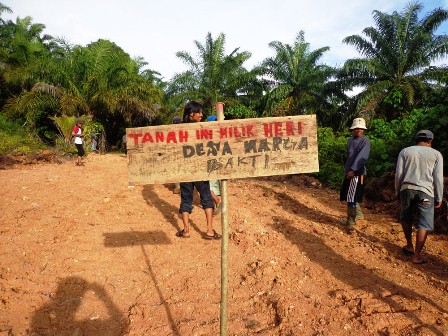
x=222, y=150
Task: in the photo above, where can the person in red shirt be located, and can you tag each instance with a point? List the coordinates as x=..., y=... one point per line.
x=77, y=133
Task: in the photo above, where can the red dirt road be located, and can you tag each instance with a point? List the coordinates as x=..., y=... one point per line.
x=84, y=254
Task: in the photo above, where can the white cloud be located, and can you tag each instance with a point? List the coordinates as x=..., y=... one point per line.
x=156, y=30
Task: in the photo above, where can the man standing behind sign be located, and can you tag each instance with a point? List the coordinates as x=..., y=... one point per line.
x=419, y=184
x=193, y=113
x=352, y=191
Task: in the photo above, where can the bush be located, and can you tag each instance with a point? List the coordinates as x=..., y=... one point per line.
x=388, y=139
x=239, y=112
x=14, y=138
x=332, y=156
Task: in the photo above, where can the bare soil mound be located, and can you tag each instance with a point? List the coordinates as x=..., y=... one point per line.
x=84, y=254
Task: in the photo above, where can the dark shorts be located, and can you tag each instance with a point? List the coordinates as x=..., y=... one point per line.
x=186, y=195
x=352, y=190
x=416, y=204
x=80, y=149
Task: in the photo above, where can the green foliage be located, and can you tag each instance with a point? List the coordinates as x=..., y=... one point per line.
x=436, y=120
x=394, y=98
x=64, y=148
x=14, y=138
x=388, y=139
x=65, y=126
x=382, y=158
x=332, y=156
x=239, y=112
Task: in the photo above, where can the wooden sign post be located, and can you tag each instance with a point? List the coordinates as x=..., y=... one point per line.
x=222, y=150
x=224, y=243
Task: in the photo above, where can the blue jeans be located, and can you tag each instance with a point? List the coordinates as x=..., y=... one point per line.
x=186, y=195
x=419, y=203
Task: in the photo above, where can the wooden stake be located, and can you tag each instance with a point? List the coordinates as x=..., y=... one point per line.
x=224, y=242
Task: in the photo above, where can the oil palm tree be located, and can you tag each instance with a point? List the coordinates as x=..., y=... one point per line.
x=299, y=84
x=397, y=53
x=4, y=9
x=99, y=80
x=213, y=76
x=22, y=52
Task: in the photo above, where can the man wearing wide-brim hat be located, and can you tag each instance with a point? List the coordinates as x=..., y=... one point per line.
x=352, y=190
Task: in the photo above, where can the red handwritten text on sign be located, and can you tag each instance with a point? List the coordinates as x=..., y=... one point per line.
x=275, y=129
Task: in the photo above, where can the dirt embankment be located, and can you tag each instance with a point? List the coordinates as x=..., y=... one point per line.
x=84, y=254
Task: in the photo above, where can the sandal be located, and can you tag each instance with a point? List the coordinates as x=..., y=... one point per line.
x=216, y=235
x=406, y=251
x=181, y=234
x=421, y=261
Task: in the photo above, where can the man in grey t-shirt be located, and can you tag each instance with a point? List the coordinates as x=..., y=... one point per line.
x=419, y=184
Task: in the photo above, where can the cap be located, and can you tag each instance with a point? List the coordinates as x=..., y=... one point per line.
x=212, y=118
x=80, y=122
x=177, y=120
x=358, y=123
x=424, y=134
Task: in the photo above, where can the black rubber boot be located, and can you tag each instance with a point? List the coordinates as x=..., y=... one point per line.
x=350, y=222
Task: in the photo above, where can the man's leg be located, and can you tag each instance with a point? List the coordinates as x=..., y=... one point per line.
x=186, y=222
x=359, y=213
x=79, y=149
x=208, y=205
x=407, y=230
x=350, y=222
x=406, y=207
x=186, y=200
x=425, y=223
x=209, y=218
x=419, y=244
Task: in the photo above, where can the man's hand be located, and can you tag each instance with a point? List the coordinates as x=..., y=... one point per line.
x=351, y=174
x=438, y=205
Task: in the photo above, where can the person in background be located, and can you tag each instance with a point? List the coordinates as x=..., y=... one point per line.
x=77, y=133
x=94, y=140
x=419, y=185
x=123, y=143
x=352, y=190
x=177, y=120
x=193, y=114
x=215, y=186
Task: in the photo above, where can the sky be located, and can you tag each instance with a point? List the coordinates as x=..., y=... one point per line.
x=156, y=30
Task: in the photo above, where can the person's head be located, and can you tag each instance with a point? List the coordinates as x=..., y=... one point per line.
x=79, y=123
x=177, y=120
x=358, y=127
x=424, y=136
x=192, y=112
